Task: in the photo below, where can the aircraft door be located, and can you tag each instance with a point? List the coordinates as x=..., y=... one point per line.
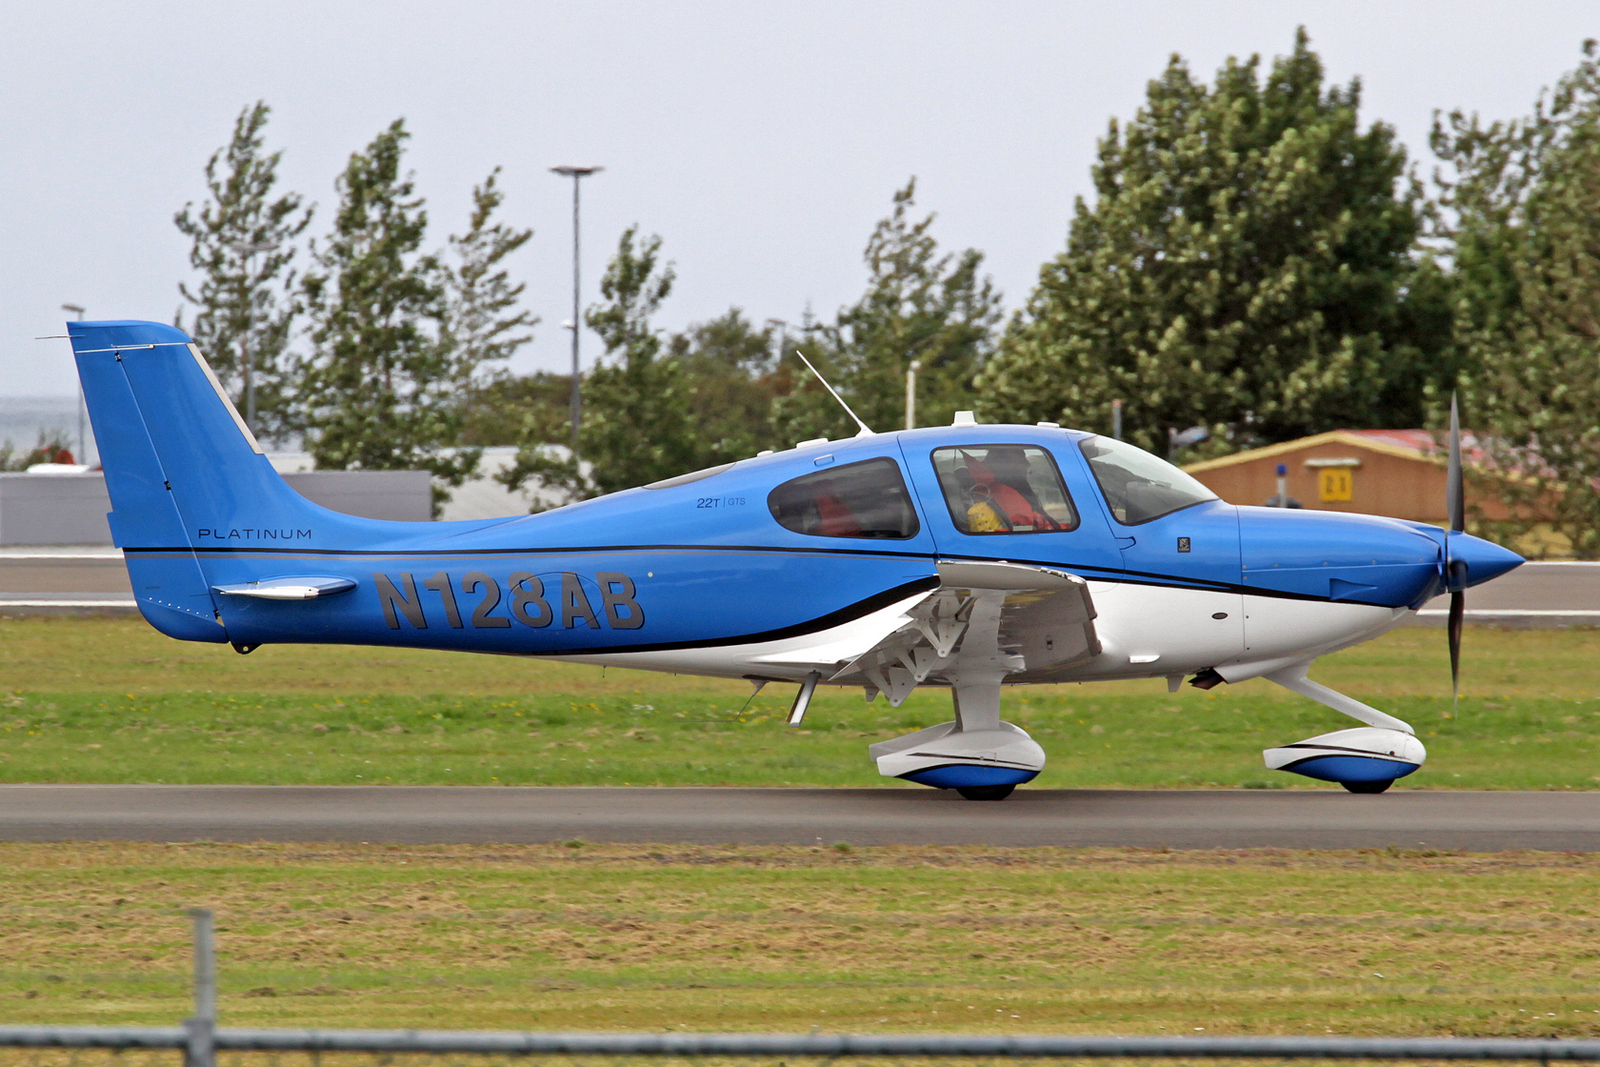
x=1180, y=551
x=1011, y=502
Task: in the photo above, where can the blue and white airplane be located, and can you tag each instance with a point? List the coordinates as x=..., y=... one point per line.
x=969, y=557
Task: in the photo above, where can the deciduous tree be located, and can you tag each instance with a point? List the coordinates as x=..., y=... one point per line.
x=727, y=367
x=919, y=304
x=1521, y=215
x=656, y=407
x=638, y=418
x=242, y=243
x=483, y=323
x=1249, y=261
x=379, y=389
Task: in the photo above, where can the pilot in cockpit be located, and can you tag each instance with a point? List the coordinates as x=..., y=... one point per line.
x=1002, y=498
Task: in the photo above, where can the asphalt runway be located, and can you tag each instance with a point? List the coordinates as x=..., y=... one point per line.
x=1181, y=819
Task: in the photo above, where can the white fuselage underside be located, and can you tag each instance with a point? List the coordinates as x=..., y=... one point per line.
x=1145, y=631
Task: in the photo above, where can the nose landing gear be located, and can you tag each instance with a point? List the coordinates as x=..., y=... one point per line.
x=1366, y=759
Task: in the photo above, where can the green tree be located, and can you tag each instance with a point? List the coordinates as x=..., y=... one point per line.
x=1249, y=262
x=918, y=305
x=936, y=309
x=727, y=368
x=638, y=420
x=500, y=409
x=242, y=243
x=638, y=425
x=1520, y=210
x=802, y=410
x=718, y=392
x=379, y=390
x=482, y=323
x=721, y=374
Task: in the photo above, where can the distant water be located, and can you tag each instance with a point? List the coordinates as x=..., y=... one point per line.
x=22, y=418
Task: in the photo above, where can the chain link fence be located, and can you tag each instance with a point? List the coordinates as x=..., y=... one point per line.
x=199, y=1042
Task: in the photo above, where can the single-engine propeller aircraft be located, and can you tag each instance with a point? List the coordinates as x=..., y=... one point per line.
x=969, y=557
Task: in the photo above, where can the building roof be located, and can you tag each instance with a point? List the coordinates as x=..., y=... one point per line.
x=1402, y=444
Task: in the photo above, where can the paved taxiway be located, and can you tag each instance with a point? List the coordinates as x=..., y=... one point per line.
x=1486, y=821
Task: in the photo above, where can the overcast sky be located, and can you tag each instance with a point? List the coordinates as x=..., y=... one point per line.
x=761, y=140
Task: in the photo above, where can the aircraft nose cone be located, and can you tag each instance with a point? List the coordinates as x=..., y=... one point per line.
x=1485, y=560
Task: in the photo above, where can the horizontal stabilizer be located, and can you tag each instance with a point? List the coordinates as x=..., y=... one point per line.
x=289, y=588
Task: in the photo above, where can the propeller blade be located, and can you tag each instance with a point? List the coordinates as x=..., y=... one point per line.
x=1454, y=495
x=1455, y=503
x=1458, y=613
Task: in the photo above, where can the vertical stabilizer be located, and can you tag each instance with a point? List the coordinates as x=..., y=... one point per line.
x=183, y=471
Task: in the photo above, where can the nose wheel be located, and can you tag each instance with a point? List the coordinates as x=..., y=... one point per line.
x=1368, y=787
x=985, y=792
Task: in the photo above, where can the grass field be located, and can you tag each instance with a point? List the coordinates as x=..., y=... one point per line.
x=583, y=936
x=110, y=700
x=856, y=939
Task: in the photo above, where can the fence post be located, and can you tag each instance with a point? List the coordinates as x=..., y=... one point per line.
x=201, y=1049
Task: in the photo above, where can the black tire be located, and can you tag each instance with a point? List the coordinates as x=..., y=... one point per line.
x=1368, y=787
x=985, y=792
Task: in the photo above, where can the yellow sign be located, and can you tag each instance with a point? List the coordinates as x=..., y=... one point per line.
x=1334, y=484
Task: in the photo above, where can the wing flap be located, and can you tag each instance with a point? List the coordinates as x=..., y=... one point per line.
x=1010, y=616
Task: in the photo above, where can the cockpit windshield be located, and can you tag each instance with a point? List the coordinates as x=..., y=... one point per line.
x=1138, y=486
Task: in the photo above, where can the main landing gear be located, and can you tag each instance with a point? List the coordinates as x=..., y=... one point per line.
x=977, y=755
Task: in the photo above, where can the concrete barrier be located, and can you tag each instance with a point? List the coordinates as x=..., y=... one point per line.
x=70, y=509
x=54, y=509
x=406, y=496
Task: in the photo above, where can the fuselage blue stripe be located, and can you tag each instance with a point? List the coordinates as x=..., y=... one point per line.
x=1098, y=573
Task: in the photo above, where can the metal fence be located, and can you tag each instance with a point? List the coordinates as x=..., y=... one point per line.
x=199, y=1040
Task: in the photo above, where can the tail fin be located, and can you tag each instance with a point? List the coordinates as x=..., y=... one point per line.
x=183, y=471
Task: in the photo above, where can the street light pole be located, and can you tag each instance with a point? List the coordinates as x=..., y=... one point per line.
x=83, y=452
x=246, y=361
x=577, y=174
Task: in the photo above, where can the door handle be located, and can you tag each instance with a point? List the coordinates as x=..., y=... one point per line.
x=1126, y=542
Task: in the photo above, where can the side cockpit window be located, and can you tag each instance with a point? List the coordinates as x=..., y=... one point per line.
x=994, y=489
x=867, y=499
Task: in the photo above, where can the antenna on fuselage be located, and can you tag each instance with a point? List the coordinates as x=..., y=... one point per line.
x=866, y=431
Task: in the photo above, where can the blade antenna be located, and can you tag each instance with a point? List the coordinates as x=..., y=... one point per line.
x=1455, y=573
x=866, y=431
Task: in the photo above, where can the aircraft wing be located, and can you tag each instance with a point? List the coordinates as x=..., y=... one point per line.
x=985, y=618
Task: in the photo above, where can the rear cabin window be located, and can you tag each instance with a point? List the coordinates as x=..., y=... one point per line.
x=867, y=499
x=1004, y=489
